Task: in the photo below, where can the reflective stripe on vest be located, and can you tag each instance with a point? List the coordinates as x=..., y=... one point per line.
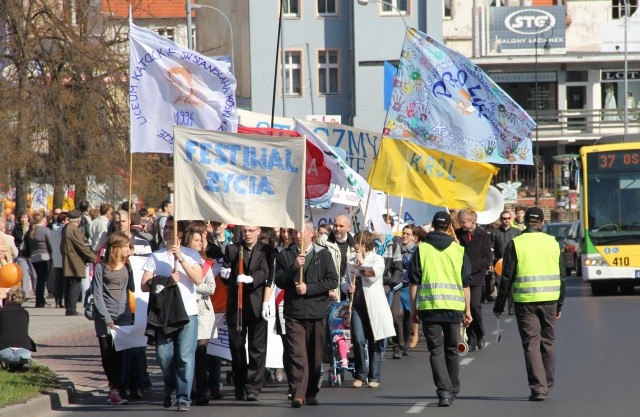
x=441, y=287
x=538, y=271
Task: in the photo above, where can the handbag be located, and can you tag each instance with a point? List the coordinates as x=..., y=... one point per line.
x=88, y=303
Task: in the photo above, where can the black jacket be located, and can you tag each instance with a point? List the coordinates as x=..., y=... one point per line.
x=500, y=238
x=479, y=252
x=14, y=328
x=440, y=241
x=320, y=277
x=256, y=265
x=509, y=267
x=166, y=310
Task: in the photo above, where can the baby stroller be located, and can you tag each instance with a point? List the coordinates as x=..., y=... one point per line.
x=335, y=327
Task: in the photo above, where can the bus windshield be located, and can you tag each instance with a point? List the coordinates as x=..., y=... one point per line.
x=613, y=201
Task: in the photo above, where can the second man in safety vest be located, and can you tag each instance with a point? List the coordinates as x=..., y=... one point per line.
x=533, y=269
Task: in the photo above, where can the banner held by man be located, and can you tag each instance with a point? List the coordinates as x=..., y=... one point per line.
x=243, y=179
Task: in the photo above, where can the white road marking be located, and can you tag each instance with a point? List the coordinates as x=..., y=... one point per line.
x=466, y=361
x=417, y=408
x=509, y=320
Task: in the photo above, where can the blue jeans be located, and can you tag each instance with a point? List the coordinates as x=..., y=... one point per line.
x=363, y=345
x=177, y=356
x=15, y=356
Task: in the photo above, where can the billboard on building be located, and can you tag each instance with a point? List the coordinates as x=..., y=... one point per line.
x=516, y=30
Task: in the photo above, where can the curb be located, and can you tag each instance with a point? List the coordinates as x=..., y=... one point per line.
x=43, y=403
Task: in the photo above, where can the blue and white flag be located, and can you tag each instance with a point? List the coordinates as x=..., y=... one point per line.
x=441, y=100
x=170, y=85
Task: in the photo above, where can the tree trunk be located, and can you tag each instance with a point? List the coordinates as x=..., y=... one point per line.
x=22, y=189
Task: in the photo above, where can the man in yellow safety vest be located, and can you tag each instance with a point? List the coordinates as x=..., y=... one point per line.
x=440, y=276
x=533, y=269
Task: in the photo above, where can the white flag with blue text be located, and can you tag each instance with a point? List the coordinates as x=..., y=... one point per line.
x=443, y=101
x=170, y=85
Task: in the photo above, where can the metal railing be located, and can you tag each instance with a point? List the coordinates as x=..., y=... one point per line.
x=590, y=123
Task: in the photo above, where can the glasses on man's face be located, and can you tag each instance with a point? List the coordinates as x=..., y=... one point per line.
x=506, y=218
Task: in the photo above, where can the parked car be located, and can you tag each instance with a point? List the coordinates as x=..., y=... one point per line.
x=572, y=249
x=559, y=230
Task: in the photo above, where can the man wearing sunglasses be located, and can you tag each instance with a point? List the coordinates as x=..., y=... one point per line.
x=500, y=237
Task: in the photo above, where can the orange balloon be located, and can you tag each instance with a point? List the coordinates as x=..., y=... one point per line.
x=10, y=275
x=132, y=301
x=498, y=267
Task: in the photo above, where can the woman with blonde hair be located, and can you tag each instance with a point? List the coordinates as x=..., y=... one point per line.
x=195, y=238
x=112, y=281
x=40, y=255
x=371, y=319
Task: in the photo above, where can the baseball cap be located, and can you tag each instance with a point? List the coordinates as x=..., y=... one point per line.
x=441, y=219
x=533, y=214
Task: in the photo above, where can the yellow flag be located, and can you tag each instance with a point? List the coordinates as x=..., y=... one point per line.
x=406, y=169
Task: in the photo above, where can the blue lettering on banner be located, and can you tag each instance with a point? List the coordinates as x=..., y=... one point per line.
x=184, y=118
x=240, y=184
x=248, y=157
x=166, y=136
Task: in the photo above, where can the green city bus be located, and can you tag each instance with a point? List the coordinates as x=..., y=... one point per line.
x=610, y=214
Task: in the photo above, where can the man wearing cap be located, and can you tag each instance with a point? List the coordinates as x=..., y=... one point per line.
x=440, y=277
x=533, y=269
x=75, y=254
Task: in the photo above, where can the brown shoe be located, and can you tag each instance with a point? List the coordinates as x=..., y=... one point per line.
x=297, y=402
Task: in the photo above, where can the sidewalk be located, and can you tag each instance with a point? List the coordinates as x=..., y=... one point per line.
x=68, y=346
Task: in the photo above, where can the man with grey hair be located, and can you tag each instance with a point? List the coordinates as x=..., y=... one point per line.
x=75, y=254
x=306, y=303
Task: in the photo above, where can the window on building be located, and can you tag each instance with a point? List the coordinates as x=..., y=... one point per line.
x=167, y=33
x=618, y=8
x=293, y=72
x=291, y=8
x=328, y=72
x=327, y=7
x=393, y=7
x=446, y=9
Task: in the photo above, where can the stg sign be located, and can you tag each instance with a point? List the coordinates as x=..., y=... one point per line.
x=530, y=21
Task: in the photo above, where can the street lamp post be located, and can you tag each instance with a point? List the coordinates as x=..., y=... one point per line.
x=190, y=7
x=537, y=104
x=385, y=3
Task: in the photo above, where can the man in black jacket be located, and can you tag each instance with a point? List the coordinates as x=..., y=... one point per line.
x=477, y=246
x=306, y=303
x=248, y=376
x=500, y=237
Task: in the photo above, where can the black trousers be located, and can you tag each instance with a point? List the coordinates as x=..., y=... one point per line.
x=306, y=340
x=43, y=268
x=442, y=341
x=248, y=376
x=475, y=331
x=73, y=290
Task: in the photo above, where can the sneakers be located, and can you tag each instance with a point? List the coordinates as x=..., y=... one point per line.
x=116, y=399
x=374, y=384
x=357, y=383
x=169, y=401
x=344, y=363
x=183, y=407
x=397, y=354
x=537, y=396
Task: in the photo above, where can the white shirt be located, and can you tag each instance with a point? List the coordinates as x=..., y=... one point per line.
x=161, y=263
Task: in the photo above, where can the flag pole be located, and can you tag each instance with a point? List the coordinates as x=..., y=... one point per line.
x=304, y=189
x=275, y=71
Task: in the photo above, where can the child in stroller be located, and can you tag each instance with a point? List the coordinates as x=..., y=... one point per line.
x=339, y=323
